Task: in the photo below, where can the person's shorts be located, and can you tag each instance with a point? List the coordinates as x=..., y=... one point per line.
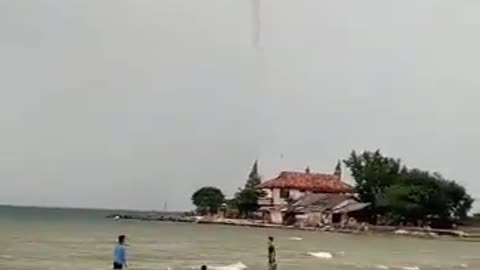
x=117, y=265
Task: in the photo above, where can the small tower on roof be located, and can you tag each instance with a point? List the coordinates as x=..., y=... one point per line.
x=338, y=169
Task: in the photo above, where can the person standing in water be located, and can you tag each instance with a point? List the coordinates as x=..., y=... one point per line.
x=272, y=255
x=120, y=254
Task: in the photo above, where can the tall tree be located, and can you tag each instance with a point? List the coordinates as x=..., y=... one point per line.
x=458, y=201
x=373, y=174
x=247, y=198
x=208, y=200
x=402, y=194
x=254, y=178
x=420, y=195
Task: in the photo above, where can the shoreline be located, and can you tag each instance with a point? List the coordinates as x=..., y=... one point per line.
x=418, y=232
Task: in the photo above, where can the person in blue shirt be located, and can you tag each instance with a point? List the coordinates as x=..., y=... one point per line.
x=120, y=254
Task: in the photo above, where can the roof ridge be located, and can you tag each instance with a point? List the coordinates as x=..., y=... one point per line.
x=303, y=172
x=319, y=182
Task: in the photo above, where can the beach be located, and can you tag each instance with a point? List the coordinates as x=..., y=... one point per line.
x=37, y=238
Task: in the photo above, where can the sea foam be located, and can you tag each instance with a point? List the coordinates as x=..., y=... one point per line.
x=235, y=266
x=410, y=268
x=321, y=254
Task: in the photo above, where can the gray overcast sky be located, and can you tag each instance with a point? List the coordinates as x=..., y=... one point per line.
x=129, y=104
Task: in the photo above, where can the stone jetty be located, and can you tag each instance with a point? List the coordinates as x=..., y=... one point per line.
x=406, y=231
x=154, y=217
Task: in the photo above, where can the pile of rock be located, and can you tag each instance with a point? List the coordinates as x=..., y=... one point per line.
x=431, y=233
x=154, y=217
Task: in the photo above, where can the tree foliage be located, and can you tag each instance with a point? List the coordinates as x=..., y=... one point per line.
x=254, y=178
x=247, y=198
x=208, y=200
x=403, y=194
x=373, y=173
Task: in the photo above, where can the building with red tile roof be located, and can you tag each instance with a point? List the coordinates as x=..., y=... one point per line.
x=290, y=186
x=308, y=182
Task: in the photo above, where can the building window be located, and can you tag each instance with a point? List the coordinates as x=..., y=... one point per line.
x=284, y=193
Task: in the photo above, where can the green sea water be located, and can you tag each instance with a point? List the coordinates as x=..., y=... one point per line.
x=57, y=239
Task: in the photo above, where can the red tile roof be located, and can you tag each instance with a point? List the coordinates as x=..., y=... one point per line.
x=314, y=182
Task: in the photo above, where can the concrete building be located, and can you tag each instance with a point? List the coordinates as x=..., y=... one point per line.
x=289, y=187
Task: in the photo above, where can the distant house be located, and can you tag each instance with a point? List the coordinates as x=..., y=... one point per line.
x=326, y=209
x=289, y=187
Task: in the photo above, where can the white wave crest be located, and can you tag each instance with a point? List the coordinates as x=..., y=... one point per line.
x=381, y=267
x=321, y=254
x=295, y=238
x=410, y=268
x=6, y=256
x=235, y=266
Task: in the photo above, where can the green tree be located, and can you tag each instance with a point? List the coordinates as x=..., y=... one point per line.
x=208, y=200
x=373, y=174
x=419, y=196
x=247, y=198
x=254, y=178
x=406, y=195
x=461, y=202
x=411, y=198
x=451, y=199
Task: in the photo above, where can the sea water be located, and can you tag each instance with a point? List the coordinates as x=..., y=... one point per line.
x=49, y=239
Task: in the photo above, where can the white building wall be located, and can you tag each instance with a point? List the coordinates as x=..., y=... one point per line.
x=296, y=194
x=276, y=217
x=276, y=197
